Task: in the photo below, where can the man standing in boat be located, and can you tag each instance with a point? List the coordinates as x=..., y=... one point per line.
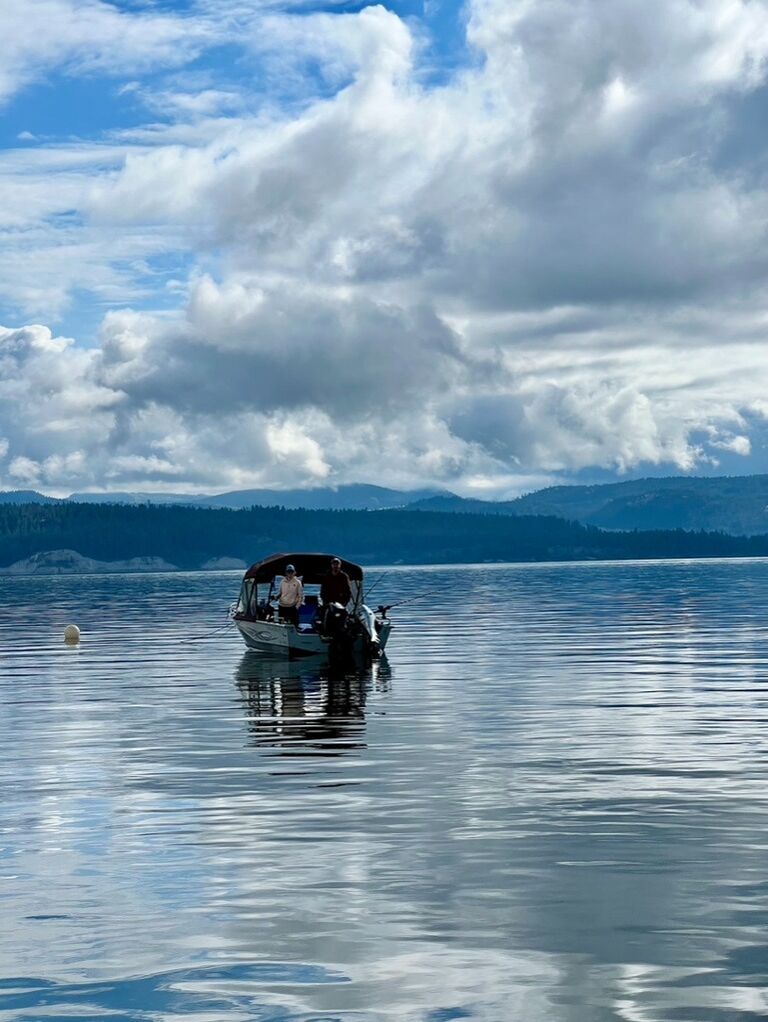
x=290, y=596
x=335, y=587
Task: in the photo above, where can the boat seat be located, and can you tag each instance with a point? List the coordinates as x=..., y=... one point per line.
x=307, y=612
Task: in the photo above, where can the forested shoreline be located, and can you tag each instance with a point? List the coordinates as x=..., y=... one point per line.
x=189, y=537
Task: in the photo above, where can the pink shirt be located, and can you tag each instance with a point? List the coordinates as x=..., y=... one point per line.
x=290, y=593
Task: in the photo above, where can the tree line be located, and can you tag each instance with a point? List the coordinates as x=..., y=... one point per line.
x=188, y=536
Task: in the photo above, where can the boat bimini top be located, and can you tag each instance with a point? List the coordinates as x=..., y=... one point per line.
x=311, y=568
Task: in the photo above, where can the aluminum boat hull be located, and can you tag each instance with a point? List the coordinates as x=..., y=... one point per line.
x=279, y=638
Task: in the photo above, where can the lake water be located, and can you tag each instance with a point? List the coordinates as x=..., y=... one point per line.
x=550, y=804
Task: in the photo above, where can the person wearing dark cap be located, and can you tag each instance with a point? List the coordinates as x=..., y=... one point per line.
x=335, y=587
x=290, y=596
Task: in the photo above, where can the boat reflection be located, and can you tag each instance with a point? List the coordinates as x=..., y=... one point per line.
x=309, y=707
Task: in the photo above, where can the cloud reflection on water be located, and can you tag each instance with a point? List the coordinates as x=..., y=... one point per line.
x=549, y=804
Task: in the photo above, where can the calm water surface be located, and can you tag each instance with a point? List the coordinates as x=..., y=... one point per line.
x=550, y=804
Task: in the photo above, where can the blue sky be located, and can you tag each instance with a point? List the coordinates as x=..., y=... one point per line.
x=68, y=106
x=481, y=245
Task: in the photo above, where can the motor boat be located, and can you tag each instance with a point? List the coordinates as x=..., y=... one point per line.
x=333, y=629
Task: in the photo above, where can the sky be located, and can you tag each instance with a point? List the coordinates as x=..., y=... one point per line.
x=484, y=246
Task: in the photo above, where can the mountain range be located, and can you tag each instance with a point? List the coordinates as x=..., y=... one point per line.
x=737, y=505
x=351, y=497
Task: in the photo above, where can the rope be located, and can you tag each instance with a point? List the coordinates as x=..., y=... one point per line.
x=216, y=631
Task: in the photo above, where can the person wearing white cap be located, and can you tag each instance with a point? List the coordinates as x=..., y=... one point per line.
x=290, y=596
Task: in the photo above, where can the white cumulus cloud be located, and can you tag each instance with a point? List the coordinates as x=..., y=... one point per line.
x=529, y=266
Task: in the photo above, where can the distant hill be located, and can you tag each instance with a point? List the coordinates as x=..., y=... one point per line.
x=736, y=504
x=353, y=497
x=124, y=497
x=450, y=503
x=25, y=497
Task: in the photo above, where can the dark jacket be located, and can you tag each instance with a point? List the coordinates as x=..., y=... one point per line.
x=336, y=589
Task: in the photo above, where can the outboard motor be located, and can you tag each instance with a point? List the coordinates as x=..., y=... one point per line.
x=335, y=623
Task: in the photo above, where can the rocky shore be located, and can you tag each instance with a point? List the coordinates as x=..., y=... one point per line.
x=70, y=562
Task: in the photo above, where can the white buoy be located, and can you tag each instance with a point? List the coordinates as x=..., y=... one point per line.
x=71, y=633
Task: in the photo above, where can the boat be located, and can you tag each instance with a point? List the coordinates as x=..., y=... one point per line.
x=334, y=629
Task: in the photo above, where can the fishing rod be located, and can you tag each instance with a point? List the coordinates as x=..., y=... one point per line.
x=375, y=583
x=216, y=631
x=401, y=603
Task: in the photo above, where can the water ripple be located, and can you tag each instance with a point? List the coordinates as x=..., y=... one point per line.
x=550, y=803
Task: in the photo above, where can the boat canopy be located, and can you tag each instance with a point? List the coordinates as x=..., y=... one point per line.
x=312, y=568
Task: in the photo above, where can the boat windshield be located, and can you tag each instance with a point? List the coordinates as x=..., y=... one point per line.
x=248, y=605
